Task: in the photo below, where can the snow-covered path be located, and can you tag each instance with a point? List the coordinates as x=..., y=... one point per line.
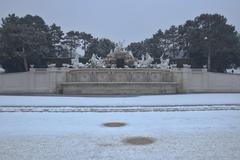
x=156, y=100
x=179, y=135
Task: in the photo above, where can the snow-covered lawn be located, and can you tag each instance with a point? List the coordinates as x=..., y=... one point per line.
x=156, y=100
x=77, y=134
x=179, y=135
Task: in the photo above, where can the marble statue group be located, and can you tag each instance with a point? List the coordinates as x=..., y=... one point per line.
x=120, y=55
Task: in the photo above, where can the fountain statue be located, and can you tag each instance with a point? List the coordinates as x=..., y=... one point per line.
x=96, y=61
x=1, y=69
x=145, y=61
x=119, y=58
x=119, y=47
x=233, y=70
x=164, y=64
x=76, y=63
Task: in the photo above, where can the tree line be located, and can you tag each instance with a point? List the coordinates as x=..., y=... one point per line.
x=206, y=40
x=29, y=40
x=207, y=36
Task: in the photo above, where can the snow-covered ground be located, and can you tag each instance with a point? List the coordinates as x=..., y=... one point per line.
x=78, y=133
x=157, y=100
x=121, y=109
x=179, y=135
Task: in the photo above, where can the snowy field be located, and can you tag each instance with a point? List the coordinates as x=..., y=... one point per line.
x=157, y=100
x=46, y=128
x=179, y=135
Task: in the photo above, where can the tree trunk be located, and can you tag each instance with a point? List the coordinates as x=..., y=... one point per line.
x=25, y=60
x=209, y=59
x=25, y=63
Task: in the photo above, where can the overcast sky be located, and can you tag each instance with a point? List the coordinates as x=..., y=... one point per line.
x=121, y=20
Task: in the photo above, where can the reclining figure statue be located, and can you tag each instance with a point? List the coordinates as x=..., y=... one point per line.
x=97, y=61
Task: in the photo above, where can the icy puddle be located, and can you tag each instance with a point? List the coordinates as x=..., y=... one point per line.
x=146, y=135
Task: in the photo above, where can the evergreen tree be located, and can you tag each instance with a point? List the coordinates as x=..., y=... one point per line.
x=24, y=39
x=206, y=40
x=211, y=41
x=174, y=43
x=72, y=40
x=100, y=47
x=56, y=38
x=138, y=49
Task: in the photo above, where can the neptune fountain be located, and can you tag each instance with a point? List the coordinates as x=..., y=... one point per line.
x=120, y=58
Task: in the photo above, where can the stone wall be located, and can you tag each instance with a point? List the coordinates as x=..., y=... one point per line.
x=201, y=81
x=40, y=82
x=119, y=75
x=119, y=81
x=123, y=81
x=119, y=88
